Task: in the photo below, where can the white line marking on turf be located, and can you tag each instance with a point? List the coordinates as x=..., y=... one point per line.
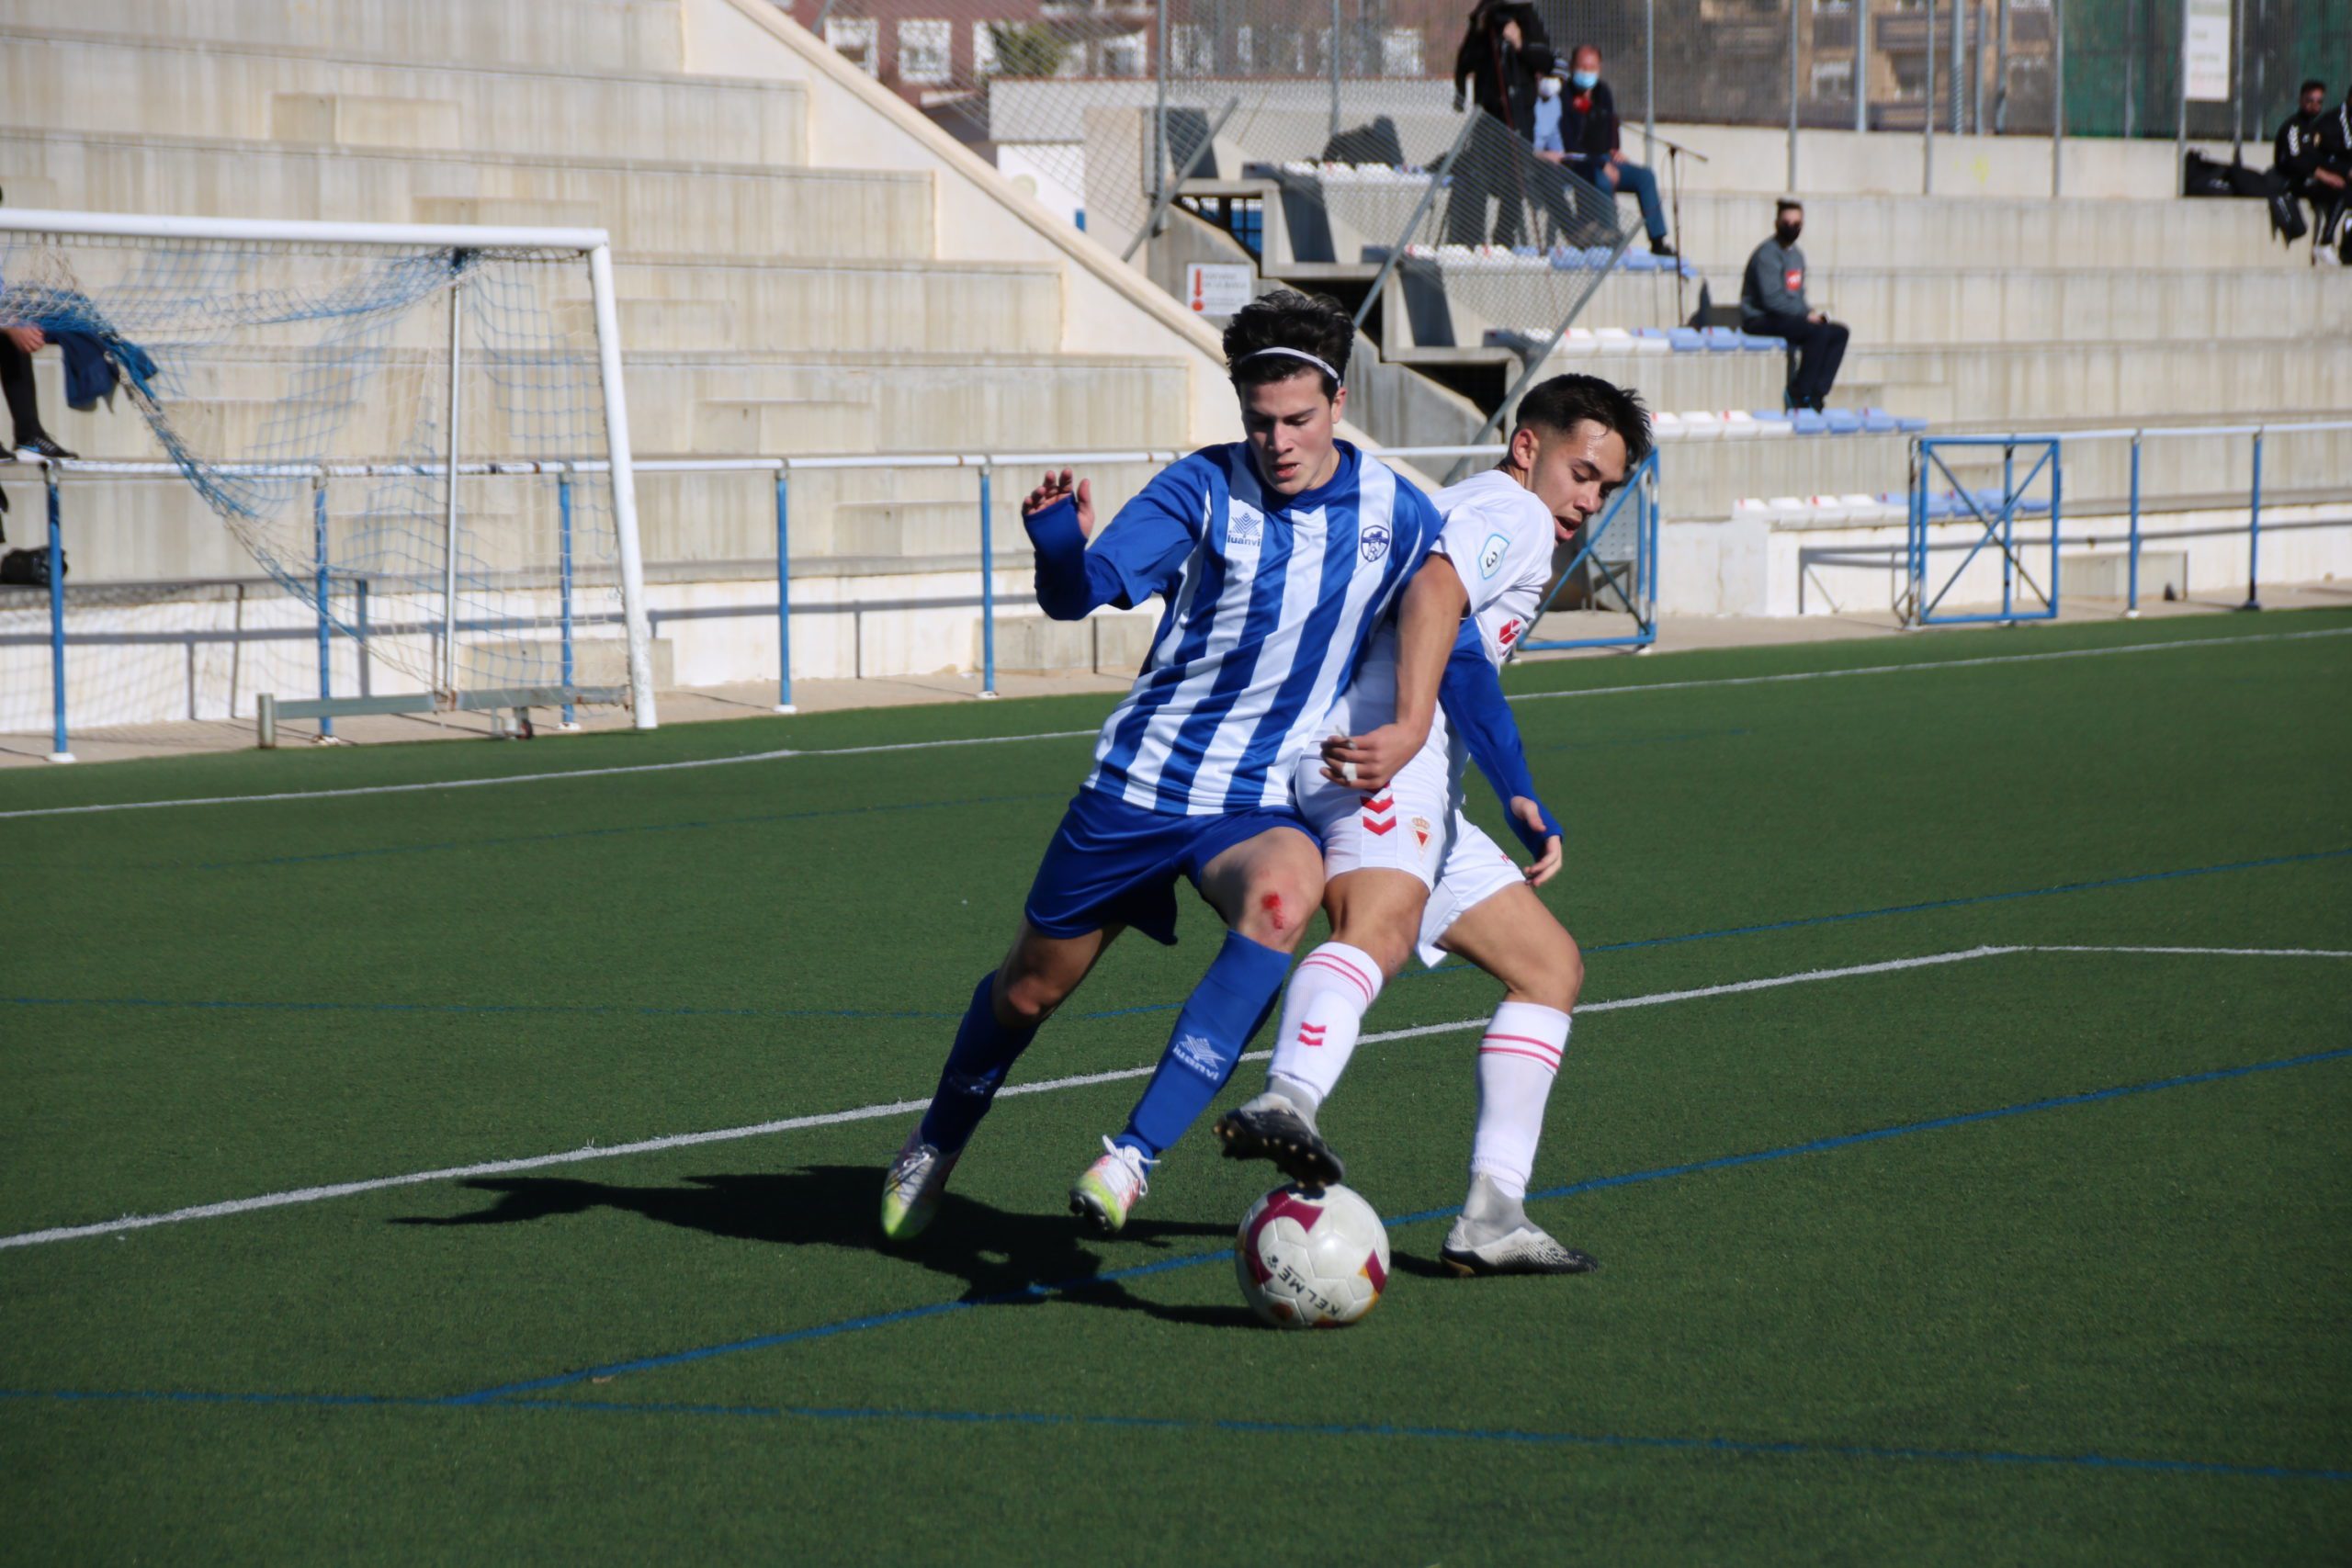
x=1047, y=1086
x=1074, y=734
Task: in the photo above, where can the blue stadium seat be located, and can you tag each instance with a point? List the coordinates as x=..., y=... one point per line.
x=1878, y=421
x=1686, y=340
x=1842, y=422
x=1723, y=340
x=1756, y=342
x=1638, y=260
x=1807, y=423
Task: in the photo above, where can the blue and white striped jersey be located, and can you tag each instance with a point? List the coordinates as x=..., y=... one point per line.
x=1268, y=603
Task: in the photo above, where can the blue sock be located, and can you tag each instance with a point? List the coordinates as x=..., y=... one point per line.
x=1224, y=1010
x=984, y=1052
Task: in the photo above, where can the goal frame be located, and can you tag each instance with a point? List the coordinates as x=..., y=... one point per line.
x=593, y=245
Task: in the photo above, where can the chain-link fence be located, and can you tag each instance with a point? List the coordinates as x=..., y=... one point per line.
x=1101, y=107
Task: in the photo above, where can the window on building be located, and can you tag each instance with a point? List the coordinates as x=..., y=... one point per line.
x=983, y=50
x=1400, y=52
x=1244, y=42
x=1833, y=81
x=1123, y=56
x=926, y=48
x=854, y=37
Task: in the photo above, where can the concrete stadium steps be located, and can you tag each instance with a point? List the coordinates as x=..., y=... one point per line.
x=610, y=35
x=1959, y=305
x=2024, y=385
x=867, y=306
x=713, y=404
x=1676, y=383
x=2027, y=306
x=697, y=209
x=1876, y=231
x=258, y=91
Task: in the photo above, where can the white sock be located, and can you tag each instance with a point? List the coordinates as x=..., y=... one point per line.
x=1517, y=1062
x=1322, y=1015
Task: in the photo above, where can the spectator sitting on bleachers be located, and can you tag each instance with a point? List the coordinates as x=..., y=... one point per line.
x=1772, y=304
x=1587, y=139
x=2296, y=158
x=2334, y=171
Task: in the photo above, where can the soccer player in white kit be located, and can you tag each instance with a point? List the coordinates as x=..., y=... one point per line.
x=1407, y=870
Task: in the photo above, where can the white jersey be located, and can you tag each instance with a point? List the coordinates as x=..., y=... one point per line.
x=1500, y=540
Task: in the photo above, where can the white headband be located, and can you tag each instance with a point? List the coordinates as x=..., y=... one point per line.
x=1322, y=364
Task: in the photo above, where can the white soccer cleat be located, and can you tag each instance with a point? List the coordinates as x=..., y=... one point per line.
x=910, y=1191
x=1111, y=1188
x=1494, y=1235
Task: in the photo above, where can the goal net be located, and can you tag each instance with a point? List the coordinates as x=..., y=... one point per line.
x=415, y=437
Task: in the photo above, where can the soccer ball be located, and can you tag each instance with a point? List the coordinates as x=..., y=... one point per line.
x=1311, y=1258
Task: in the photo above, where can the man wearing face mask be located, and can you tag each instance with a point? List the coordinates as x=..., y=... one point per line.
x=1589, y=145
x=1772, y=304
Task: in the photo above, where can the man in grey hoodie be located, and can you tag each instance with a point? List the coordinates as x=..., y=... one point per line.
x=1772, y=304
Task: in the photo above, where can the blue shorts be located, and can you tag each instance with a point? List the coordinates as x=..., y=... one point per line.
x=1112, y=864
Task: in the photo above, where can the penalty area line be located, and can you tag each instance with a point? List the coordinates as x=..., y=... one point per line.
x=1710, y=682
x=228, y=1207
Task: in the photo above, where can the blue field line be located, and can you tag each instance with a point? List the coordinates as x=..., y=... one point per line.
x=1194, y=1261
x=1742, y=1448
x=592, y=1010
x=509, y=838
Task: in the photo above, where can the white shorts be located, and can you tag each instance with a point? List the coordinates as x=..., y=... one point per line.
x=1415, y=825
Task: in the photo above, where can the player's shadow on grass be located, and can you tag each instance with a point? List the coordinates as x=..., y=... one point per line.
x=999, y=1256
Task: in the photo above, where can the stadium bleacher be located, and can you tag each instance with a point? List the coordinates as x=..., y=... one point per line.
x=808, y=267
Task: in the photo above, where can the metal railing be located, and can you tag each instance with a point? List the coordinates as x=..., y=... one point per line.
x=1918, y=603
x=326, y=629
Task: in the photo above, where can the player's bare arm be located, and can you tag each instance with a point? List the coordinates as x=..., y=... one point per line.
x=1426, y=625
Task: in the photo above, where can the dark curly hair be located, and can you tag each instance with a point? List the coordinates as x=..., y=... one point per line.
x=1310, y=323
x=1565, y=401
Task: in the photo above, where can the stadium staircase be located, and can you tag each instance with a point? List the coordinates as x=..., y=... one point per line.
x=1971, y=312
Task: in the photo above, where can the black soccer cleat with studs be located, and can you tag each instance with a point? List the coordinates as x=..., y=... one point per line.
x=1273, y=1133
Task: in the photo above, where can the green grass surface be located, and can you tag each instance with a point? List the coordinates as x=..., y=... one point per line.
x=2091, y=1329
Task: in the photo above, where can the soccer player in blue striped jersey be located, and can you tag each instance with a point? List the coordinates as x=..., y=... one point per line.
x=1275, y=556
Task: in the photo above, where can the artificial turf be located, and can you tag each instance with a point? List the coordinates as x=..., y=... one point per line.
x=2024, y=1321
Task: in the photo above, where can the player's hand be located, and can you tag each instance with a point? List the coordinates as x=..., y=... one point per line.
x=1371, y=760
x=1548, y=864
x=1053, y=487
x=28, y=339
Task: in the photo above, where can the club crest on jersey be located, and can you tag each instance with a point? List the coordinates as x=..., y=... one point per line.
x=1244, y=527
x=1490, y=559
x=1376, y=540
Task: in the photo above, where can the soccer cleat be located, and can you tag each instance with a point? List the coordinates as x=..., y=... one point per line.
x=1269, y=1127
x=1527, y=1250
x=1111, y=1188
x=910, y=1191
x=1494, y=1235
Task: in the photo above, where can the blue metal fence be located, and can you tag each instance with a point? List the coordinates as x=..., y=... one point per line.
x=1630, y=518
x=1995, y=516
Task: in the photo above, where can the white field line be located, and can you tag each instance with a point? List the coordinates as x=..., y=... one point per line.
x=1047, y=1086
x=1074, y=734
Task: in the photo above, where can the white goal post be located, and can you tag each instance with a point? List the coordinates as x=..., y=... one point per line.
x=272, y=360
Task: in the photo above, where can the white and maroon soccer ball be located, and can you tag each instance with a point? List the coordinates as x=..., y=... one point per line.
x=1311, y=1258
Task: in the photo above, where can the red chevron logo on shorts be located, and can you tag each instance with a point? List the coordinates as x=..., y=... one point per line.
x=1509, y=634
x=1312, y=1034
x=1378, y=829
x=1376, y=807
